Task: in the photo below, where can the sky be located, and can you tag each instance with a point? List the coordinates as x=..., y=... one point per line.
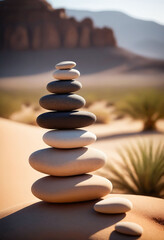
x=143, y=9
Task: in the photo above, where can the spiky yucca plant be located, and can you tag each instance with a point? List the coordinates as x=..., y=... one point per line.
x=148, y=107
x=140, y=171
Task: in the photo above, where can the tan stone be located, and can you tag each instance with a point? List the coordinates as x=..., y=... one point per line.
x=69, y=138
x=129, y=228
x=71, y=189
x=60, y=162
x=113, y=205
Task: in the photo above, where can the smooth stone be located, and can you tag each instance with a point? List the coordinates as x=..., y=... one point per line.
x=66, y=120
x=129, y=228
x=66, y=74
x=113, y=205
x=65, y=65
x=62, y=102
x=69, y=138
x=64, y=86
x=61, y=162
x=71, y=189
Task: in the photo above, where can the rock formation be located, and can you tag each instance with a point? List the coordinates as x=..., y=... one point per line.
x=34, y=24
x=69, y=162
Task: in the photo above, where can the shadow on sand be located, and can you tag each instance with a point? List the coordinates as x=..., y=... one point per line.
x=45, y=221
x=126, y=135
x=116, y=236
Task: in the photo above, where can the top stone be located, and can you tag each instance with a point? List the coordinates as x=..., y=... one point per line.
x=65, y=65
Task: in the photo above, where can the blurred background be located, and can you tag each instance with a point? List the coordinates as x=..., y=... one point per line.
x=118, y=46
x=119, y=52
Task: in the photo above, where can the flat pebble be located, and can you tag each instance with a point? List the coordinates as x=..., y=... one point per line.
x=62, y=102
x=69, y=138
x=129, y=228
x=66, y=120
x=66, y=74
x=64, y=86
x=61, y=162
x=71, y=189
x=113, y=205
x=65, y=65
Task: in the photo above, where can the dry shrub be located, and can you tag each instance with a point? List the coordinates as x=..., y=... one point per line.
x=148, y=107
x=101, y=111
x=27, y=114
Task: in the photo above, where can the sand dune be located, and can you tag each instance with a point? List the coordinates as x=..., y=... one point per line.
x=23, y=217
x=98, y=66
x=18, y=141
x=90, y=60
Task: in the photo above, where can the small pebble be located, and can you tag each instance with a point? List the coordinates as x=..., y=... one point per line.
x=129, y=228
x=113, y=205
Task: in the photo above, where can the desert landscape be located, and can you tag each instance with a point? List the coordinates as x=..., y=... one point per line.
x=123, y=89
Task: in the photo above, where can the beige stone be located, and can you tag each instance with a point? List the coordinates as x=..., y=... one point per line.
x=60, y=162
x=129, y=228
x=113, y=205
x=65, y=65
x=66, y=74
x=71, y=189
x=69, y=138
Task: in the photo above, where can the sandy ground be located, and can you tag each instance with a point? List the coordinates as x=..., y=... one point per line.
x=42, y=221
x=18, y=141
x=113, y=67
x=24, y=217
x=37, y=220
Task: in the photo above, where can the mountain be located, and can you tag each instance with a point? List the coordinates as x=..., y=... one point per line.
x=142, y=37
x=34, y=24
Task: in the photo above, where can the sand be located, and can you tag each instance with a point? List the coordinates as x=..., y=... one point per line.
x=16, y=175
x=112, y=67
x=18, y=141
x=38, y=220
x=44, y=221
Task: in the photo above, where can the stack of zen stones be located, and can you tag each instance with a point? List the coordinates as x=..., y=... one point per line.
x=67, y=161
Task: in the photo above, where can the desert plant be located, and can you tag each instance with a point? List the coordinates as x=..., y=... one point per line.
x=140, y=169
x=27, y=114
x=148, y=107
x=101, y=111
